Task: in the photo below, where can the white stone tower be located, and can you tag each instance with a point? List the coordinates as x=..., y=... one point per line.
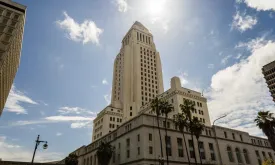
x=137, y=74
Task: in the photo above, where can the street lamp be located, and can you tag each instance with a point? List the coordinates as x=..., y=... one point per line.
x=216, y=136
x=161, y=160
x=37, y=142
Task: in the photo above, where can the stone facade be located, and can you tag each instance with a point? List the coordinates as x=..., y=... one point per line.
x=137, y=142
x=12, y=21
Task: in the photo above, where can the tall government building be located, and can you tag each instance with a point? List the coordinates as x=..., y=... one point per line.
x=129, y=124
x=269, y=75
x=12, y=21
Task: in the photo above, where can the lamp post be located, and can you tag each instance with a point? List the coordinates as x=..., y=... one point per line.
x=37, y=142
x=216, y=136
x=161, y=160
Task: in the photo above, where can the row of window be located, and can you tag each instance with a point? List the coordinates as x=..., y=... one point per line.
x=233, y=136
x=113, y=126
x=238, y=155
x=259, y=142
x=143, y=38
x=270, y=71
x=99, y=122
x=114, y=119
x=99, y=128
x=269, y=77
x=98, y=135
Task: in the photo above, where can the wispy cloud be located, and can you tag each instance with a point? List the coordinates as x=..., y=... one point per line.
x=183, y=78
x=59, y=134
x=105, y=82
x=15, y=98
x=84, y=32
x=78, y=117
x=225, y=59
x=243, y=22
x=260, y=4
x=75, y=110
x=237, y=81
x=122, y=5
x=14, y=152
x=210, y=66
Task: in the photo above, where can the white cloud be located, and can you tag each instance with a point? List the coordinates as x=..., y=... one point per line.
x=68, y=118
x=260, y=4
x=14, y=99
x=105, y=82
x=81, y=124
x=225, y=59
x=13, y=152
x=183, y=78
x=243, y=22
x=74, y=110
x=107, y=98
x=238, y=56
x=122, y=5
x=59, y=134
x=241, y=90
x=210, y=66
x=84, y=32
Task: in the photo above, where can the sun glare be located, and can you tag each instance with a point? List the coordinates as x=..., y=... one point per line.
x=156, y=7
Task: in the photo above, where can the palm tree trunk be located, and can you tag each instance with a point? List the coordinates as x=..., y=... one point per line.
x=199, y=150
x=166, y=140
x=194, y=148
x=185, y=146
x=160, y=137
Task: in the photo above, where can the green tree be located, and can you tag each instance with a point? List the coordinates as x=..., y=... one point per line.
x=187, y=108
x=155, y=105
x=266, y=122
x=181, y=123
x=196, y=128
x=166, y=108
x=71, y=160
x=104, y=153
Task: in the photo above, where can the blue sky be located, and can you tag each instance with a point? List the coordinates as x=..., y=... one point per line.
x=65, y=74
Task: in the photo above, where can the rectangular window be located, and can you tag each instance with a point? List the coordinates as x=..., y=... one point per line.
x=128, y=142
x=130, y=113
x=128, y=153
x=150, y=150
x=150, y=137
x=191, y=149
x=130, y=107
x=138, y=150
x=168, y=124
x=270, y=155
x=138, y=139
x=233, y=136
x=225, y=135
x=180, y=147
x=201, y=149
x=137, y=36
x=212, y=152
x=241, y=137
x=169, y=147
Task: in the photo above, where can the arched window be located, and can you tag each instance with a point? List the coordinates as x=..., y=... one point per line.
x=239, y=156
x=246, y=157
x=230, y=154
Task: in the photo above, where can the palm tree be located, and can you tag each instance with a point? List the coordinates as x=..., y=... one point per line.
x=196, y=127
x=187, y=108
x=180, y=121
x=166, y=108
x=155, y=107
x=266, y=122
x=71, y=160
x=104, y=153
